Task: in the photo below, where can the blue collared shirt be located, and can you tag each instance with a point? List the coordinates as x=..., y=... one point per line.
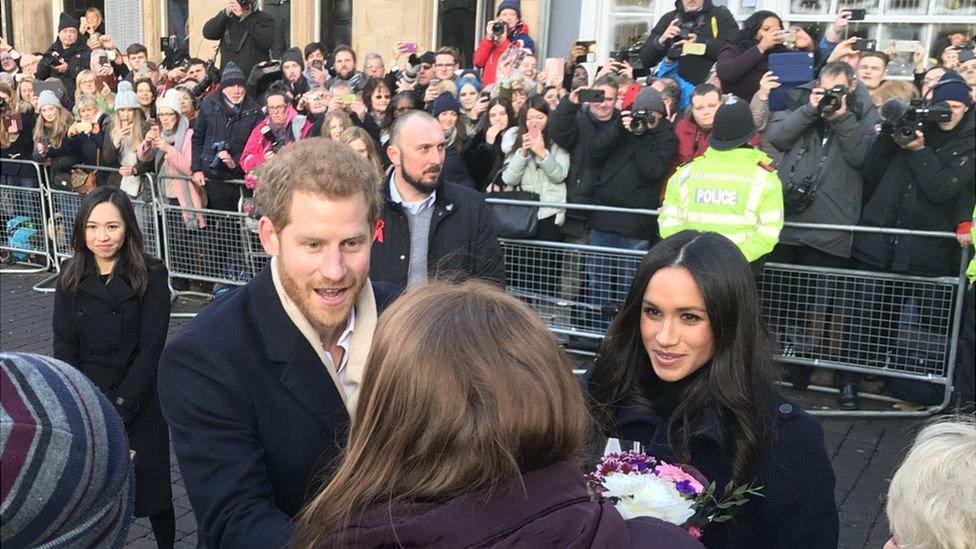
x=413, y=207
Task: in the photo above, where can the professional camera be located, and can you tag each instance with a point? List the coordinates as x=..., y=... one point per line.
x=246, y=4
x=687, y=29
x=212, y=76
x=832, y=100
x=498, y=28
x=798, y=195
x=272, y=140
x=630, y=55
x=906, y=118
x=218, y=146
x=641, y=121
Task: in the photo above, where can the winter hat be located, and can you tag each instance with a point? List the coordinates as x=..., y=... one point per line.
x=169, y=100
x=649, y=99
x=67, y=478
x=67, y=22
x=733, y=125
x=47, y=97
x=125, y=98
x=428, y=57
x=951, y=87
x=444, y=102
x=232, y=75
x=509, y=5
x=293, y=54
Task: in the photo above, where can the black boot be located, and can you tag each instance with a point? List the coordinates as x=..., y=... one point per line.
x=848, y=397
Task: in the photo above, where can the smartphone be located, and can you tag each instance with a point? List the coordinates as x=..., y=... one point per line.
x=317, y=64
x=409, y=47
x=485, y=94
x=103, y=60
x=693, y=48
x=906, y=45
x=590, y=55
x=857, y=14
x=349, y=98
x=791, y=38
x=592, y=96
x=866, y=44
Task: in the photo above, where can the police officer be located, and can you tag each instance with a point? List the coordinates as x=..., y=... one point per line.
x=732, y=189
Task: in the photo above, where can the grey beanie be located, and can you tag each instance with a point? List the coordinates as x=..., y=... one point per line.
x=46, y=98
x=125, y=98
x=649, y=99
x=67, y=477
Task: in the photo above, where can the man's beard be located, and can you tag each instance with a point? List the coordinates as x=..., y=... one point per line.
x=322, y=320
x=419, y=185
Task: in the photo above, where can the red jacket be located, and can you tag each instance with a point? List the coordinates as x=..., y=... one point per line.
x=258, y=145
x=488, y=52
x=692, y=142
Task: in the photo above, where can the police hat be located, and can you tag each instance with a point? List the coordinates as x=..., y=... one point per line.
x=733, y=126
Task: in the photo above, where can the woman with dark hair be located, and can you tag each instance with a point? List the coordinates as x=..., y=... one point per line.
x=741, y=65
x=490, y=455
x=686, y=371
x=146, y=94
x=111, y=316
x=447, y=110
x=400, y=104
x=376, y=97
x=487, y=149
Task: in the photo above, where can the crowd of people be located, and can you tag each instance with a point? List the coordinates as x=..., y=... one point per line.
x=369, y=178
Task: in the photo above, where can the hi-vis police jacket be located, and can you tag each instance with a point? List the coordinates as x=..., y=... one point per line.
x=734, y=193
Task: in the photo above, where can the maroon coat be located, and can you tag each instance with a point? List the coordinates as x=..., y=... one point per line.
x=554, y=510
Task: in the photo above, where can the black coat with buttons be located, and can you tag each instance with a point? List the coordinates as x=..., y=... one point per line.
x=115, y=337
x=462, y=240
x=798, y=510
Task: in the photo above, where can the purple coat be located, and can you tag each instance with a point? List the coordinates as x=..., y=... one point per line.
x=554, y=510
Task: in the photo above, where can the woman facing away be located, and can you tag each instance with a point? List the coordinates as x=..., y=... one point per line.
x=488, y=456
x=685, y=370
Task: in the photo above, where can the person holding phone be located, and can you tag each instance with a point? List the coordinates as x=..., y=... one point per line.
x=538, y=165
x=474, y=103
x=447, y=111
x=124, y=133
x=491, y=145
x=697, y=21
x=51, y=139
x=506, y=31
x=742, y=64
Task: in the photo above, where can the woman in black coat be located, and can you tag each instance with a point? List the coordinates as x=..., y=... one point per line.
x=742, y=65
x=111, y=316
x=685, y=370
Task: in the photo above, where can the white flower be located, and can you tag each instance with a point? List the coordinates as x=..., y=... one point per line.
x=648, y=496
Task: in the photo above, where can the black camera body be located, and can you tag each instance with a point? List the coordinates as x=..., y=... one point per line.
x=630, y=55
x=218, y=147
x=212, y=76
x=832, y=100
x=498, y=28
x=640, y=122
x=798, y=195
x=272, y=140
x=907, y=118
x=687, y=29
x=246, y=4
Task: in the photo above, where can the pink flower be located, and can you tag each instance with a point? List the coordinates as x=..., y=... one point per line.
x=676, y=475
x=695, y=532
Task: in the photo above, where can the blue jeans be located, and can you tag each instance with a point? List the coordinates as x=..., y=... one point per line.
x=609, y=276
x=179, y=12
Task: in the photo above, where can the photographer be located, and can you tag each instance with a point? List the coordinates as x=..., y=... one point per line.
x=636, y=153
x=292, y=68
x=825, y=140
x=282, y=126
x=919, y=175
x=223, y=124
x=246, y=34
x=66, y=57
x=693, y=21
x=506, y=31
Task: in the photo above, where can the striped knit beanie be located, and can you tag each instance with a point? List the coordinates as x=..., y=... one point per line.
x=65, y=477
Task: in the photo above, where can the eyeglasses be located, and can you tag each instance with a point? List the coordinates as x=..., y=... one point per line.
x=444, y=65
x=277, y=108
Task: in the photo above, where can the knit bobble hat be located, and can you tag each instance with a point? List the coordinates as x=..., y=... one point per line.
x=46, y=98
x=952, y=87
x=293, y=54
x=468, y=78
x=67, y=477
x=232, y=75
x=125, y=98
x=445, y=102
x=509, y=5
x=169, y=100
x=67, y=22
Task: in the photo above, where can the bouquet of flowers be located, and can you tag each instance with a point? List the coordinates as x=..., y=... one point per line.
x=642, y=486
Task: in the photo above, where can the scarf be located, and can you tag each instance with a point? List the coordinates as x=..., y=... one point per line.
x=449, y=137
x=173, y=138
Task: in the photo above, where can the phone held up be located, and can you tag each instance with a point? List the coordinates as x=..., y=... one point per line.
x=592, y=96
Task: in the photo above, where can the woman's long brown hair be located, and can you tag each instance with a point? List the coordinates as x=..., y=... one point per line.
x=464, y=391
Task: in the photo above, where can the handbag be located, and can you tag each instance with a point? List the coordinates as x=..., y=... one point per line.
x=83, y=181
x=512, y=221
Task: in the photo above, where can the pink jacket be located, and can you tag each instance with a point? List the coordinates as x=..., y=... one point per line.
x=177, y=162
x=258, y=146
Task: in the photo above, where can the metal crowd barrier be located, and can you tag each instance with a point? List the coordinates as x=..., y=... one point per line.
x=23, y=221
x=63, y=205
x=884, y=324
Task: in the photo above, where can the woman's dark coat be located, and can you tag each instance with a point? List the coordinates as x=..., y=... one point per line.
x=927, y=190
x=115, y=338
x=798, y=508
x=20, y=149
x=554, y=510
